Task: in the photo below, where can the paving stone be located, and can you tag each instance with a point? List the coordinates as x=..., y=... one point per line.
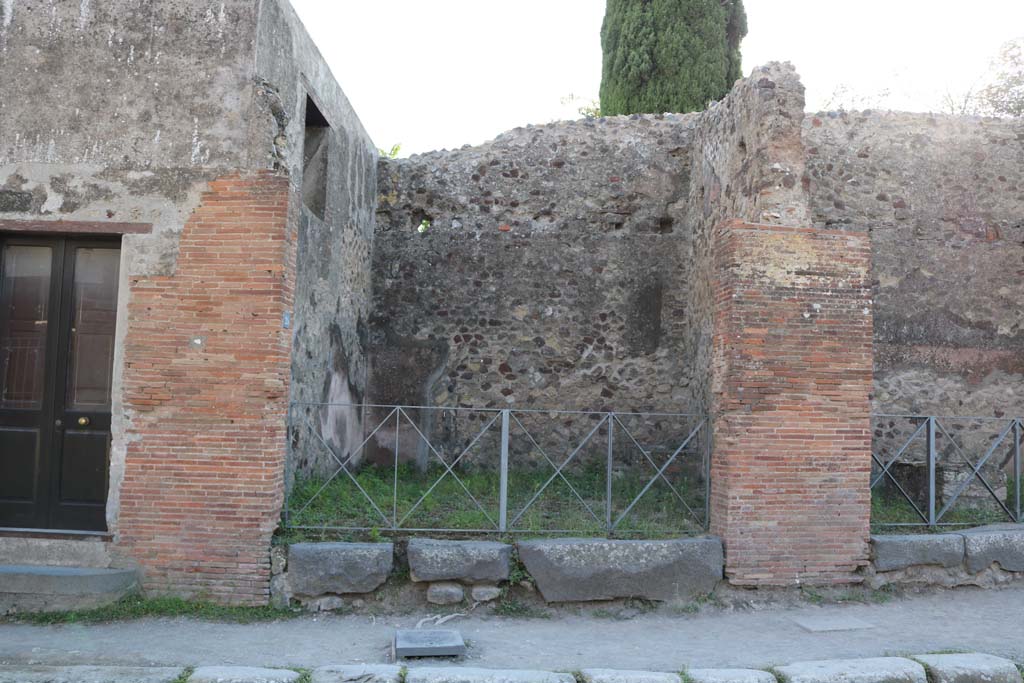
x=427, y=643
x=627, y=676
x=871, y=670
x=574, y=569
x=1002, y=543
x=242, y=674
x=909, y=550
x=445, y=593
x=824, y=624
x=319, y=568
x=88, y=674
x=358, y=673
x=474, y=675
x=485, y=593
x=729, y=676
x=470, y=561
x=969, y=668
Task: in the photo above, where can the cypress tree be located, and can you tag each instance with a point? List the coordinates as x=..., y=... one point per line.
x=669, y=55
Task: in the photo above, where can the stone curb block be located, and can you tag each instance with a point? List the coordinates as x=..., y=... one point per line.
x=369, y=673
x=902, y=551
x=1002, y=543
x=242, y=674
x=474, y=675
x=628, y=676
x=340, y=568
x=729, y=676
x=969, y=668
x=88, y=674
x=870, y=670
x=577, y=569
x=469, y=561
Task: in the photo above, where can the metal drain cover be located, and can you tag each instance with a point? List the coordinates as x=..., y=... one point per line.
x=417, y=643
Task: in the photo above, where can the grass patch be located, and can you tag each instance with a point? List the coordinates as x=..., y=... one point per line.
x=339, y=503
x=511, y=607
x=812, y=596
x=185, y=675
x=137, y=607
x=305, y=676
x=889, y=509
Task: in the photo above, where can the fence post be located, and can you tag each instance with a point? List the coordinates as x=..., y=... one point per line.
x=608, y=473
x=503, y=484
x=289, y=459
x=931, y=471
x=707, y=472
x=1017, y=486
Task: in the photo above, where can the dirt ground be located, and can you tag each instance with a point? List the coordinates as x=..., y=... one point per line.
x=733, y=628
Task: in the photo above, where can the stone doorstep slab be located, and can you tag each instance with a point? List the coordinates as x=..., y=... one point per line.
x=368, y=673
x=52, y=580
x=870, y=670
x=475, y=675
x=969, y=668
x=88, y=674
x=242, y=674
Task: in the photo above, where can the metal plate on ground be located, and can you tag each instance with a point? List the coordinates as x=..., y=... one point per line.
x=823, y=624
x=423, y=643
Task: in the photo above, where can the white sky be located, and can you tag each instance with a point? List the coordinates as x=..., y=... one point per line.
x=433, y=74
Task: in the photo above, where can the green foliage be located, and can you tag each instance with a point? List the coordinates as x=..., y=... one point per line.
x=669, y=55
x=184, y=675
x=1004, y=95
x=391, y=153
x=137, y=607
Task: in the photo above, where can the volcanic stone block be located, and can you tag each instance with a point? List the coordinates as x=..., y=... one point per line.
x=445, y=593
x=1002, y=543
x=729, y=676
x=624, y=676
x=968, y=668
x=870, y=670
x=242, y=674
x=574, y=569
x=469, y=561
x=319, y=568
x=358, y=673
x=474, y=675
x=900, y=552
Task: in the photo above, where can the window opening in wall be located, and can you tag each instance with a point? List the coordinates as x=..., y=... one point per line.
x=314, y=160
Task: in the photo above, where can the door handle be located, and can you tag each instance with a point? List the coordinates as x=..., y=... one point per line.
x=83, y=422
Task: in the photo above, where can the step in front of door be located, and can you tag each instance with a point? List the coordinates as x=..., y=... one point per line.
x=35, y=588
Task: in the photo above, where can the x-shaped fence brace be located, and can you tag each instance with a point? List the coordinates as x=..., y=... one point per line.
x=932, y=424
x=608, y=420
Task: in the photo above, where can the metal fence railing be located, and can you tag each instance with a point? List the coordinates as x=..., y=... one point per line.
x=370, y=468
x=941, y=471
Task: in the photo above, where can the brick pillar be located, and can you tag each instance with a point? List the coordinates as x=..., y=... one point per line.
x=791, y=378
x=205, y=393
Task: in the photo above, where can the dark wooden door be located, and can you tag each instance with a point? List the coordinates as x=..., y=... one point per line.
x=58, y=311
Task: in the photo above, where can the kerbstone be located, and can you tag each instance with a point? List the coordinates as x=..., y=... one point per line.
x=729, y=676
x=909, y=550
x=356, y=673
x=88, y=674
x=318, y=568
x=871, y=670
x=474, y=675
x=1002, y=543
x=969, y=668
x=627, y=676
x=242, y=674
x=470, y=561
x=574, y=569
